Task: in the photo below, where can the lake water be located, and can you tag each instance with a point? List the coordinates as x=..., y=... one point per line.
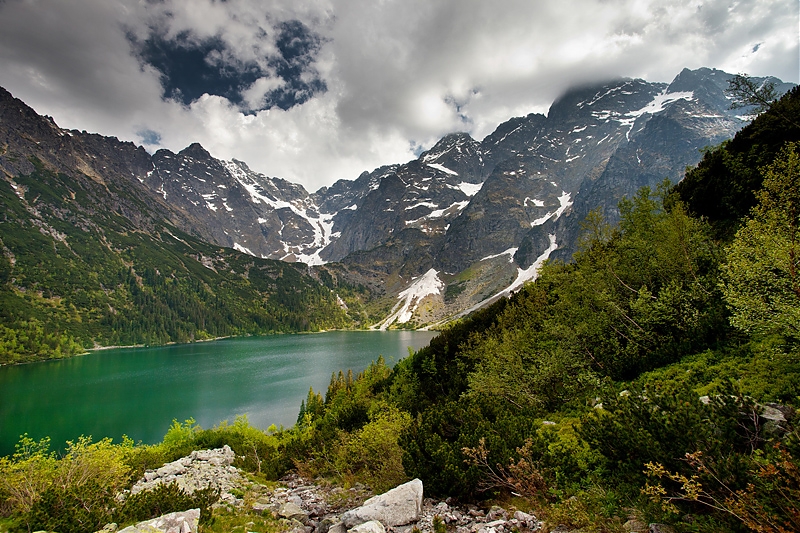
x=139, y=391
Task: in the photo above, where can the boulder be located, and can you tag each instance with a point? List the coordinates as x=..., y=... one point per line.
x=184, y=522
x=292, y=511
x=261, y=508
x=661, y=528
x=338, y=527
x=397, y=507
x=373, y=526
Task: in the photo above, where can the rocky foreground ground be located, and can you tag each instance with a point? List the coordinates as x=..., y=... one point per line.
x=303, y=506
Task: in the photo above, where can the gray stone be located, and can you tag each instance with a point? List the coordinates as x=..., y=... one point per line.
x=338, y=527
x=661, y=528
x=292, y=511
x=201, y=469
x=397, y=507
x=184, y=522
x=635, y=526
x=325, y=525
x=261, y=508
x=373, y=526
x=171, y=469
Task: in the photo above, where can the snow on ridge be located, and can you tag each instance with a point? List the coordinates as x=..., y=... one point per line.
x=422, y=204
x=470, y=189
x=322, y=223
x=534, y=201
x=532, y=272
x=660, y=101
x=510, y=252
x=239, y=248
x=523, y=276
x=541, y=220
x=443, y=168
x=440, y=212
x=323, y=236
x=426, y=285
x=565, y=202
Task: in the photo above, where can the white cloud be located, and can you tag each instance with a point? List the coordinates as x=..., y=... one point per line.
x=399, y=74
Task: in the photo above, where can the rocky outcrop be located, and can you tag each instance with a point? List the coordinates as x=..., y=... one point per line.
x=200, y=470
x=398, y=507
x=185, y=522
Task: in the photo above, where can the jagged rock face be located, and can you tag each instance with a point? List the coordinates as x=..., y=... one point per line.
x=266, y=217
x=28, y=139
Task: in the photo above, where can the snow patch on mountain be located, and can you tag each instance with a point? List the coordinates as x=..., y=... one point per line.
x=422, y=204
x=510, y=252
x=321, y=223
x=523, y=276
x=660, y=102
x=565, y=202
x=426, y=285
x=239, y=248
x=532, y=272
x=443, y=168
x=470, y=189
x=323, y=236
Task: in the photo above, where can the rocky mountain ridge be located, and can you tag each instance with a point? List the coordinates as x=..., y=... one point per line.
x=464, y=223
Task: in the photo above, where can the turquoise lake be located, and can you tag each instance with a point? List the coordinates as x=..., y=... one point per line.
x=139, y=391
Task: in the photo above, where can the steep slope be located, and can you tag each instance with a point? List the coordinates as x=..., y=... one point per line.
x=90, y=257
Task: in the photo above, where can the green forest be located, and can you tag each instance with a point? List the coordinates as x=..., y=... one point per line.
x=75, y=275
x=654, y=377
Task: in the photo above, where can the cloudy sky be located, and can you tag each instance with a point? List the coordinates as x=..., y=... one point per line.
x=319, y=90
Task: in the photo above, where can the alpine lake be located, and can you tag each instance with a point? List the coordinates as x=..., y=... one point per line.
x=138, y=392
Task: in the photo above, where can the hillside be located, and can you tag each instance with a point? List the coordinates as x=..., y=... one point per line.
x=470, y=217
x=91, y=258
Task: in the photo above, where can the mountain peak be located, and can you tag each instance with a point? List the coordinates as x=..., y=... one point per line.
x=196, y=151
x=446, y=144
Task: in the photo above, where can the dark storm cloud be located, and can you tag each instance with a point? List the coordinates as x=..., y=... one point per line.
x=191, y=67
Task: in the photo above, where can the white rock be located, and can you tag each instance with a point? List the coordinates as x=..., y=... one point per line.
x=373, y=526
x=185, y=522
x=397, y=507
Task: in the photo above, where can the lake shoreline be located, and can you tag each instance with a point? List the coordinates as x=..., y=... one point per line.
x=174, y=343
x=139, y=392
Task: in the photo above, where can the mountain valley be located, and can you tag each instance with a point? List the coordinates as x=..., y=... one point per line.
x=405, y=245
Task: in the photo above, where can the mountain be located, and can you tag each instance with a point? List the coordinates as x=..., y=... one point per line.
x=465, y=223
x=91, y=256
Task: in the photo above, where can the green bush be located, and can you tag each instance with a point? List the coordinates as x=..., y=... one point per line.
x=74, y=493
x=167, y=498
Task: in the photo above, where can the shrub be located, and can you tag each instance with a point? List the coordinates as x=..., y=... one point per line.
x=167, y=498
x=75, y=493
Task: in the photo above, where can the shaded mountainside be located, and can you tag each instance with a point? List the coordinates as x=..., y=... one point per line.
x=90, y=257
